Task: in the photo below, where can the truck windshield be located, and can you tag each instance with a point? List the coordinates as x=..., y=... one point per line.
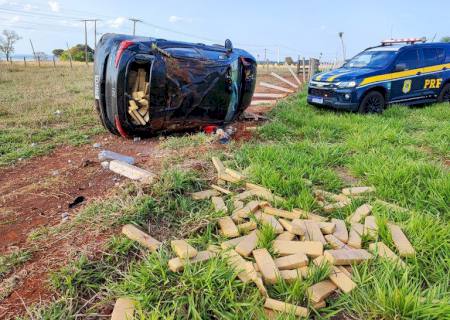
x=371, y=59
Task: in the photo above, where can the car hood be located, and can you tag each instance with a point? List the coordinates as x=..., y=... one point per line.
x=345, y=74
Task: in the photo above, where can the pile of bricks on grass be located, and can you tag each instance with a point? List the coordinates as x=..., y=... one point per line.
x=301, y=238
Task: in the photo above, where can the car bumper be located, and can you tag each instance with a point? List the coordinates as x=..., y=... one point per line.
x=345, y=99
x=331, y=102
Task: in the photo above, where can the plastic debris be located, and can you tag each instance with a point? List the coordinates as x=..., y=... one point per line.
x=224, y=135
x=105, y=164
x=111, y=155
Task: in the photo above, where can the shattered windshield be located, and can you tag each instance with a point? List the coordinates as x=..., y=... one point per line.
x=371, y=59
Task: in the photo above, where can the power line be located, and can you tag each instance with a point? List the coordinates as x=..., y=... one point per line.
x=37, y=14
x=40, y=24
x=84, y=13
x=31, y=28
x=180, y=32
x=134, y=20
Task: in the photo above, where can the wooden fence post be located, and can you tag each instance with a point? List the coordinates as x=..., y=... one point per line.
x=25, y=62
x=54, y=63
x=39, y=61
x=304, y=70
x=310, y=69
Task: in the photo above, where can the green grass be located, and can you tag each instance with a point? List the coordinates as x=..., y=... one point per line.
x=13, y=260
x=402, y=153
x=30, y=98
x=393, y=152
x=187, y=140
x=266, y=236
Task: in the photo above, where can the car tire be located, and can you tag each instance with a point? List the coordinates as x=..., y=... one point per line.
x=444, y=96
x=108, y=125
x=373, y=102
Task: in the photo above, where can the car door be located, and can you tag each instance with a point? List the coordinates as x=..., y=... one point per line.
x=433, y=69
x=407, y=77
x=196, y=86
x=222, y=100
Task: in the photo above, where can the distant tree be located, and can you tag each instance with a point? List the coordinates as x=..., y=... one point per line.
x=289, y=61
x=445, y=39
x=58, y=52
x=8, y=39
x=41, y=55
x=78, y=53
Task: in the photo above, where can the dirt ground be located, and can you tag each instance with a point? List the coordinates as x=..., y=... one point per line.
x=37, y=192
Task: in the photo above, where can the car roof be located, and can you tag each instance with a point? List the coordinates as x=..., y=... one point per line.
x=398, y=47
x=386, y=48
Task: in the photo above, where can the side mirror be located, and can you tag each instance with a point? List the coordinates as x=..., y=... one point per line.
x=229, y=45
x=400, y=67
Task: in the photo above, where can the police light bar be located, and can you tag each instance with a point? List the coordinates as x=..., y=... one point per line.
x=404, y=40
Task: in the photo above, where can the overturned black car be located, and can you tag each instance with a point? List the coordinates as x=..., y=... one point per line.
x=145, y=85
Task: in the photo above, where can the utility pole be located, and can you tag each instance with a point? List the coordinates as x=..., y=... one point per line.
x=134, y=20
x=32, y=48
x=265, y=58
x=85, y=40
x=85, y=36
x=95, y=32
x=341, y=35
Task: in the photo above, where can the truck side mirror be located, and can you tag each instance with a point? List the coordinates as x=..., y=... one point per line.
x=400, y=67
x=229, y=45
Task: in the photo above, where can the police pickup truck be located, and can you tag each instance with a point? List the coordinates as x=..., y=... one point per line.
x=405, y=71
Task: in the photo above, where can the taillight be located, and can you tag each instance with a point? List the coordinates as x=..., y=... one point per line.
x=122, y=47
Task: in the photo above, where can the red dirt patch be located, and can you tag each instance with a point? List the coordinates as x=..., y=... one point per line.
x=39, y=190
x=36, y=192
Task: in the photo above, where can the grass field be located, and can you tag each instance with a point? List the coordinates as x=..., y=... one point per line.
x=41, y=108
x=402, y=153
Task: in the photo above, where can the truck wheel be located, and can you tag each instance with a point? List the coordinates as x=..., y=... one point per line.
x=373, y=102
x=444, y=96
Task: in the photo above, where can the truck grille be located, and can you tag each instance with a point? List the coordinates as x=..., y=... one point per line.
x=321, y=92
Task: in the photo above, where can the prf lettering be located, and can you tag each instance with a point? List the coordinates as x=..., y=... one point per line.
x=432, y=83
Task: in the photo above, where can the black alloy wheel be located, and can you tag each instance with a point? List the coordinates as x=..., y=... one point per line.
x=373, y=102
x=444, y=96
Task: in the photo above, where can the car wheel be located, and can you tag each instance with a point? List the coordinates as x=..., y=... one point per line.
x=373, y=102
x=444, y=96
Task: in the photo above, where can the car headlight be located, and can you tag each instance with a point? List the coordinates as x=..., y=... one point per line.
x=346, y=84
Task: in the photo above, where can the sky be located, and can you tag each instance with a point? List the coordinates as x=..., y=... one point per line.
x=275, y=28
